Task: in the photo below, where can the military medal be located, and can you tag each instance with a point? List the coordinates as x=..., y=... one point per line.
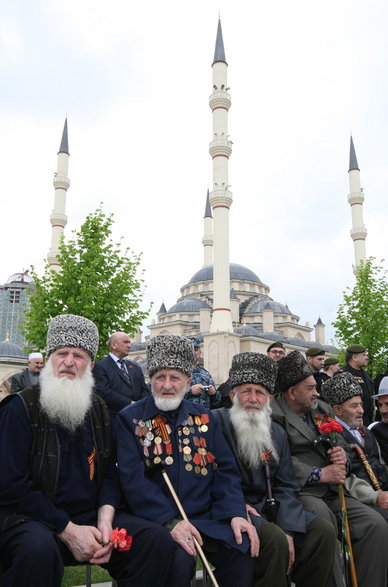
x=169, y=460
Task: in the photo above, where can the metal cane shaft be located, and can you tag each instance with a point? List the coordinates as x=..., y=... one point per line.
x=196, y=543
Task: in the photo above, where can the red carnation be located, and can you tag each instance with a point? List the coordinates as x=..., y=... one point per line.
x=120, y=540
x=328, y=427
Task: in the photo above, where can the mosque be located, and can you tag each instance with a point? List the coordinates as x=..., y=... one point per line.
x=225, y=304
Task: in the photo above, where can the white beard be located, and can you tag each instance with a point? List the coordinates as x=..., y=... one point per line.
x=165, y=404
x=65, y=401
x=253, y=432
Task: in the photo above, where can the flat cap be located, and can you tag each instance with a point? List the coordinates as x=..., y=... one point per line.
x=168, y=351
x=253, y=368
x=314, y=351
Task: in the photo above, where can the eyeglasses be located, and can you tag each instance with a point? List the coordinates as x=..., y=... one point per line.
x=277, y=352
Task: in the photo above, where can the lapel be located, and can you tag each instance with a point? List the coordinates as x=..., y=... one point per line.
x=117, y=368
x=303, y=429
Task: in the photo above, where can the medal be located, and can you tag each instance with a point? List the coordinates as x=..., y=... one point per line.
x=169, y=460
x=204, y=428
x=189, y=467
x=203, y=471
x=186, y=450
x=157, y=460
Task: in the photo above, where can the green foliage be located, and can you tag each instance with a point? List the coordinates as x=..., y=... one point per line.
x=362, y=318
x=76, y=576
x=98, y=280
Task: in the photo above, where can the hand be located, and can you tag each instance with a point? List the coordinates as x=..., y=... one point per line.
x=382, y=500
x=184, y=533
x=333, y=474
x=251, y=511
x=83, y=541
x=291, y=550
x=104, y=524
x=197, y=389
x=211, y=390
x=240, y=525
x=337, y=455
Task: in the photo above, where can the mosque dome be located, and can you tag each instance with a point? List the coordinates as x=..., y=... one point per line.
x=237, y=272
x=247, y=331
x=10, y=349
x=188, y=305
x=269, y=305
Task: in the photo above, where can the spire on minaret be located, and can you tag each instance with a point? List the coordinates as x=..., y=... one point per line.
x=61, y=184
x=207, y=239
x=219, y=51
x=352, y=157
x=208, y=208
x=356, y=200
x=220, y=197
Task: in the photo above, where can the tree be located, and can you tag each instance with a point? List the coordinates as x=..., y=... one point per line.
x=362, y=318
x=98, y=280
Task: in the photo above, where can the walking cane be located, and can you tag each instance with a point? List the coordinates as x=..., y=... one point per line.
x=367, y=467
x=196, y=543
x=344, y=517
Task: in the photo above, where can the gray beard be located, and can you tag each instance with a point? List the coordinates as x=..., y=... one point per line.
x=253, y=432
x=65, y=401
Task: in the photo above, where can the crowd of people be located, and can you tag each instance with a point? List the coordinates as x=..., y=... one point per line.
x=247, y=474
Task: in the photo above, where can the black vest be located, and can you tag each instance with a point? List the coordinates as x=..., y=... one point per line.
x=45, y=456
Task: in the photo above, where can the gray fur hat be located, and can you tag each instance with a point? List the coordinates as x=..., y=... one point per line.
x=337, y=389
x=291, y=370
x=253, y=368
x=74, y=331
x=168, y=351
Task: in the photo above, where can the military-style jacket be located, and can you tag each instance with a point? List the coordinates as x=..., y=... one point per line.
x=197, y=459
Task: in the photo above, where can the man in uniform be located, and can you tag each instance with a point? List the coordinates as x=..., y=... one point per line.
x=276, y=351
x=182, y=436
x=315, y=357
x=29, y=376
x=263, y=458
x=202, y=389
x=356, y=359
x=318, y=470
x=58, y=484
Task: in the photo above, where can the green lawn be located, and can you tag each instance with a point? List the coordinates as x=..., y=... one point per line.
x=76, y=576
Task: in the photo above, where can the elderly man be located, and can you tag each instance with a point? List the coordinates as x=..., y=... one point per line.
x=58, y=485
x=263, y=457
x=276, y=351
x=29, y=376
x=344, y=395
x=202, y=389
x=380, y=430
x=119, y=381
x=356, y=359
x=167, y=430
x=299, y=411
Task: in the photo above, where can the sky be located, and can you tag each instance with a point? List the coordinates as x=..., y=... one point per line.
x=134, y=79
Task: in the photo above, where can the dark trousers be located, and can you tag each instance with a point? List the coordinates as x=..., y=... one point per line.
x=232, y=567
x=32, y=556
x=314, y=554
x=369, y=535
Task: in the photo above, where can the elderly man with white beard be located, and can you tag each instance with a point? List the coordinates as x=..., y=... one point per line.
x=58, y=485
x=167, y=430
x=268, y=479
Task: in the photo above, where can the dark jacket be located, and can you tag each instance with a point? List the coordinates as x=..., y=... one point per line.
x=372, y=454
x=114, y=387
x=20, y=381
x=380, y=431
x=201, y=468
x=368, y=389
x=291, y=516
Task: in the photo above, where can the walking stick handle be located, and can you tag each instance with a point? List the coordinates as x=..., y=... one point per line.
x=182, y=512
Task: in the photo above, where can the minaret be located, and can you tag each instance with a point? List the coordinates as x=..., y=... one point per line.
x=207, y=239
x=58, y=217
x=356, y=199
x=220, y=198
